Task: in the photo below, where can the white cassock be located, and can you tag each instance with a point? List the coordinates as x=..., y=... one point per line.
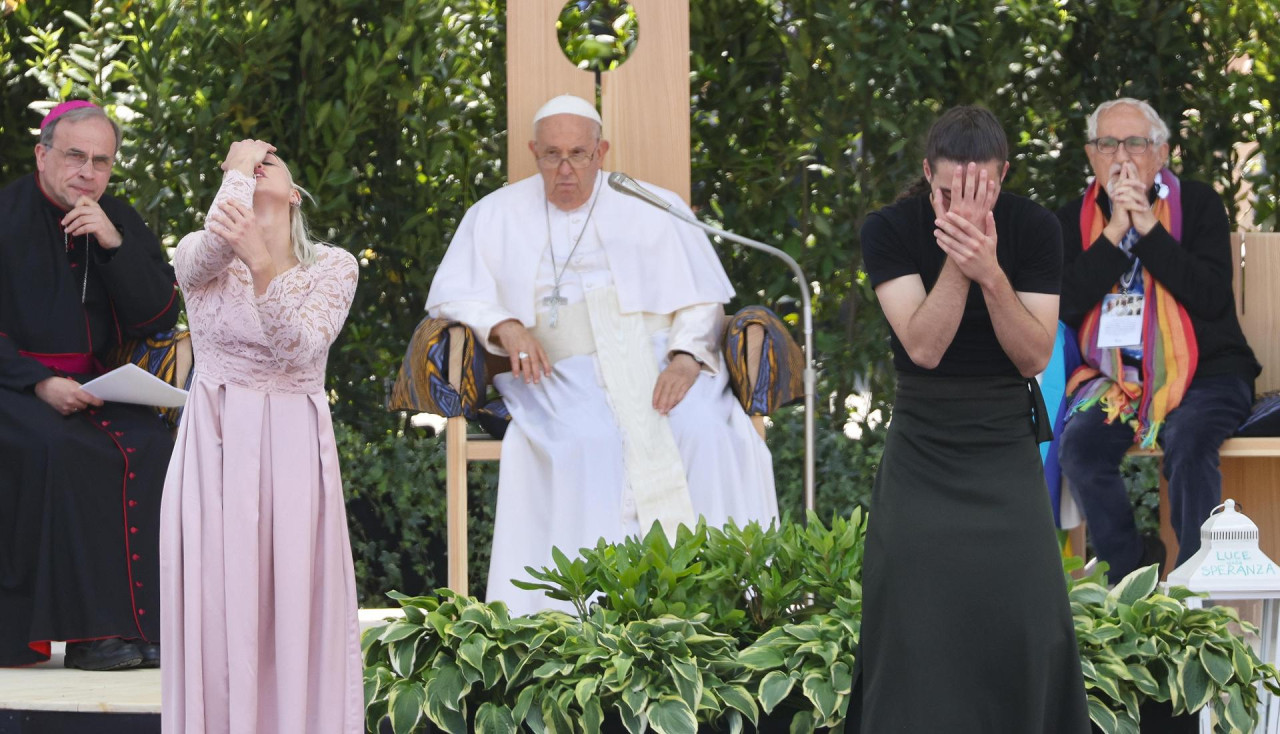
x=586, y=456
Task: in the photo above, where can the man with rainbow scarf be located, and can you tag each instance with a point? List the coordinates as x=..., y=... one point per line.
x=1147, y=288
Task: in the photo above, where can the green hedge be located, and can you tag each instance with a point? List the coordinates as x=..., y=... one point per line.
x=807, y=114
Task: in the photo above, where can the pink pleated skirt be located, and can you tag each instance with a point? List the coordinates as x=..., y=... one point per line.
x=259, y=631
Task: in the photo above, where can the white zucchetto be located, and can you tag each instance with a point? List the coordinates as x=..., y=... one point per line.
x=568, y=104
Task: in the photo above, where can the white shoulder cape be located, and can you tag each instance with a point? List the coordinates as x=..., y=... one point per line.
x=659, y=263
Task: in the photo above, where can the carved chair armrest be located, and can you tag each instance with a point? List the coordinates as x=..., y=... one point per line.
x=166, y=355
x=443, y=371
x=766, y=366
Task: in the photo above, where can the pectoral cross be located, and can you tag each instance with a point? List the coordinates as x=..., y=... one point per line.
x=554, y=302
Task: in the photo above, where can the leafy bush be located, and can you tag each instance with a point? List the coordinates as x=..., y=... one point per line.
x=655, y=642
x=1139, y=645
x=726, y=626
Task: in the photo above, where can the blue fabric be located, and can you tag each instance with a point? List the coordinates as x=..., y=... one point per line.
x=1053, y=383
x=1265, y=418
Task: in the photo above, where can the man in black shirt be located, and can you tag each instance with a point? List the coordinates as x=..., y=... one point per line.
x=1147, y=285
x=967, y=277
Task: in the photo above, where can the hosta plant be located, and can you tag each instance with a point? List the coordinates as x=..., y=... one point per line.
x=713, y=630
x=1138, y=645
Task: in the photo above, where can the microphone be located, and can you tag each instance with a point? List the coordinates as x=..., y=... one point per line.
x=623, y=183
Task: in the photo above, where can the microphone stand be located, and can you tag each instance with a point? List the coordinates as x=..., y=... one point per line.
x=623, y=183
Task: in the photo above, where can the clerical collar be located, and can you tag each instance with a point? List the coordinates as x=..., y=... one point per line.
x=50, y=199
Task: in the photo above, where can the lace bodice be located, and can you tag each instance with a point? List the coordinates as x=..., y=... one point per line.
x=276, y=342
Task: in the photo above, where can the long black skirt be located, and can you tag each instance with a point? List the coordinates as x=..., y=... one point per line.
x=966, y=625
x=79, y=524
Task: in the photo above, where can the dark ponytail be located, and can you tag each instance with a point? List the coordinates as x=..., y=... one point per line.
x=962, y=134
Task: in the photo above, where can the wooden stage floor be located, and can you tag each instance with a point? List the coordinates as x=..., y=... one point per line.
x=50, y=699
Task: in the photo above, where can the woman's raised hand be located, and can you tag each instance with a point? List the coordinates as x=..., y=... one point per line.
x=236, y=223
x=246, y=155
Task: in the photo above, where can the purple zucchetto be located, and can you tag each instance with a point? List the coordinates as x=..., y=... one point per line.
x=64, y=108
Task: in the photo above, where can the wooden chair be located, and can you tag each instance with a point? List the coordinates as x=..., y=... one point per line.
x=445, y=372
x=645, y=107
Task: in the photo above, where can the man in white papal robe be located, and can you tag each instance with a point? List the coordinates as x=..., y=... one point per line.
x=612, y=314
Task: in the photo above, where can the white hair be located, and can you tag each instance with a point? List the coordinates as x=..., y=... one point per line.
x=1159, y=132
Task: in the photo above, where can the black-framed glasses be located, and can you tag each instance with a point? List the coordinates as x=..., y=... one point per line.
x=1134, y=144
x=75, y=159
x=579, y=159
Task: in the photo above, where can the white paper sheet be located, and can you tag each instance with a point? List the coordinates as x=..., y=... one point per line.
x=132, y=384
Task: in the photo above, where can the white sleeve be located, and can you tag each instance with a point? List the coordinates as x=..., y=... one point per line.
x=698, y=330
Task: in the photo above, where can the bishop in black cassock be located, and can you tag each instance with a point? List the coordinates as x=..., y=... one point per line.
x=79, y=483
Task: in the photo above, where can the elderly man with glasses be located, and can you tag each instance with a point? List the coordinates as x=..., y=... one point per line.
x=1171, y=368
x=611, y=313
x=80, y=479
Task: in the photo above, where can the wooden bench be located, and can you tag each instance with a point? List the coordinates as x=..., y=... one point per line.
x=1250, y=466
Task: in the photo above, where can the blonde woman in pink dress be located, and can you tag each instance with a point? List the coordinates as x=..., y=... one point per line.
x=258, y=596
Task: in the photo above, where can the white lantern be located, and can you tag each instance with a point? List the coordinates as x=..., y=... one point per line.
x=1230, y=565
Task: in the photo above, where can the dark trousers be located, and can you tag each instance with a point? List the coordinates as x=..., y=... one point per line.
x=1090, y=452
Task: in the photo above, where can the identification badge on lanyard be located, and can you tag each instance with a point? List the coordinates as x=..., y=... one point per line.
x=1121, y=322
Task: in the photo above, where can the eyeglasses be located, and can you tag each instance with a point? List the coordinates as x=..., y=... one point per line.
x=1134, y=144
x=552, y=161
x=75, y=159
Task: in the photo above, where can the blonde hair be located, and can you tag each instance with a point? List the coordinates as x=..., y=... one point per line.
x=304, y=247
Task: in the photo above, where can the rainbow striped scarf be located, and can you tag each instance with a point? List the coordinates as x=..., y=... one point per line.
x=1169, y=352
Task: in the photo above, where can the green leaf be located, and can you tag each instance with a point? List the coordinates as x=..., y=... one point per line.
x=446, y=687
x=399, y=631
x=1242, y=659
x=1239, y=717
x=403, y=656
x=492, y=718
x=524, y=701
x=1136, y=585
x=671, y=715
x=1144, y=681
x=819, y=691
x=1195, y=683
x=803, y=722
x=585, y=690
x=760, y=657
x=738, y=698
x=1102, y=716
x=592, y=716
x=406, y=705
x=774, y=688
x=1217, y=664
x=632, y=719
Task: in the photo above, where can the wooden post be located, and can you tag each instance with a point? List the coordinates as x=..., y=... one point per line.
x=645, y=101
x=537, y=70
x=455, y=437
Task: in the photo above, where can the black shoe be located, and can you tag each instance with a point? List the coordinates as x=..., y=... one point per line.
x=150, y=652
x=112, y=653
